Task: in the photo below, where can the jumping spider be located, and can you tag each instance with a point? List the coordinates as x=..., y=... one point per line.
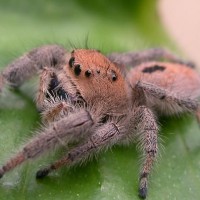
x=96, y=101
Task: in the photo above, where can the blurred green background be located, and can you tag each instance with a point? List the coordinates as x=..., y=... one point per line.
x=108, y=26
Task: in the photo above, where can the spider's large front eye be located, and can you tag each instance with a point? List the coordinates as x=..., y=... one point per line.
x=77, y=70
x=112, y=75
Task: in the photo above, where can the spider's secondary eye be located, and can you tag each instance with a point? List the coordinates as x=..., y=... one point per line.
x=71, y=61
x=88, y=73
x=113, y=75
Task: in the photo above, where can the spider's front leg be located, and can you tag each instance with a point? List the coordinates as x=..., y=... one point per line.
x=46, y=77
x=114, y=132
x=59, y=133
x=51, y=98
x=30, y=63
x=104, y=136
x=55, y=111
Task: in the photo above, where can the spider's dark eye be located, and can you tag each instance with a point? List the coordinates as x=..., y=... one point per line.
x=71, y=61
x=77, y=70
x=113, y=75
x=88, y=73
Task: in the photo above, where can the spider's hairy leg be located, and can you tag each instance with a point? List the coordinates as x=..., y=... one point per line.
x=51, y=97
x=104, y=136
x=198, y=115
x=30, y=63
x=166, y=101
x=55, y=110
x=45, y=79
x=60, y=132
x=148, y=144
x=155, y=54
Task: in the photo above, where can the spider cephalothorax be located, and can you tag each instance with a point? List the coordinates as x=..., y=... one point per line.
x=94, y=100
x=98, y=80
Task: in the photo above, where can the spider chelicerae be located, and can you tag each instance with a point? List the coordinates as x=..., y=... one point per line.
x=99, y=101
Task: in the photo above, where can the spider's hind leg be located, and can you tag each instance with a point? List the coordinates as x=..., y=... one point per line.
x=133, y=59
x=174, y=103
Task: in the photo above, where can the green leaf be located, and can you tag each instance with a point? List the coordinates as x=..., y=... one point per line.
x=109, y=26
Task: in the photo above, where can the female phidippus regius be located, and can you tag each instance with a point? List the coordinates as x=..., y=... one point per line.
x=99, y=101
